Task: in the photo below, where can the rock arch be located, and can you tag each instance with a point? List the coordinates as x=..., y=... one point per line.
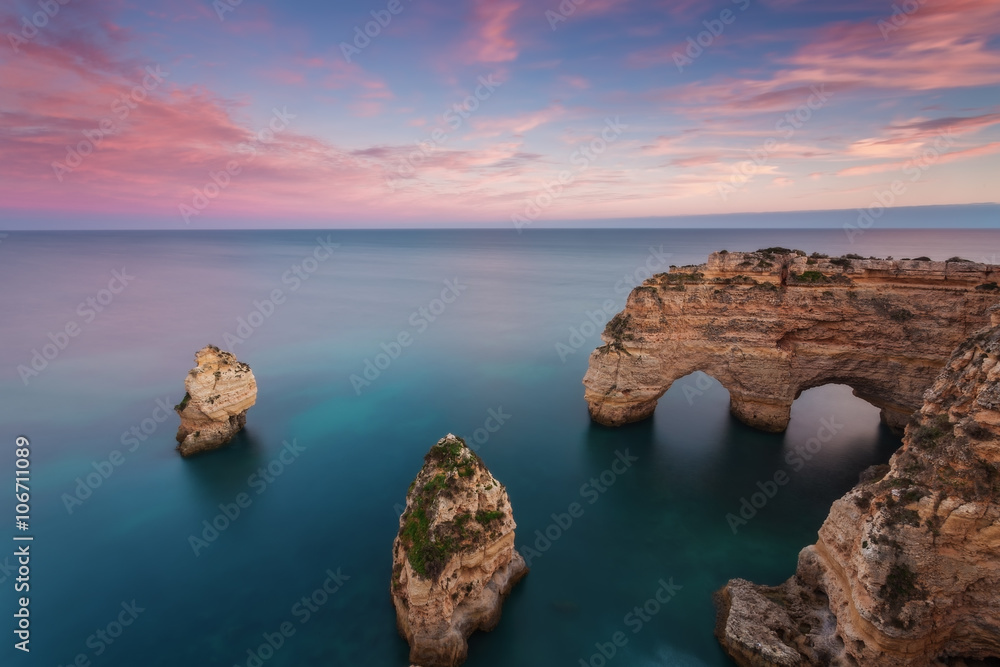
x=769, y=325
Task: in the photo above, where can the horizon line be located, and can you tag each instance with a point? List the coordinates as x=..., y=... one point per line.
x=682, y=221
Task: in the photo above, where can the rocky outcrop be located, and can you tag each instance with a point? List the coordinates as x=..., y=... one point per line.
x=454, y=559
x=220, y=389
x=906, y=570
x=773, y=323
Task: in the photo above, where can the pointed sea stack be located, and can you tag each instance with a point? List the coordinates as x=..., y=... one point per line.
x=454, y=559
x=220, y=389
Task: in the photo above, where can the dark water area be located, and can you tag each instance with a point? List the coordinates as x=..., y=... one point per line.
x=495, y=347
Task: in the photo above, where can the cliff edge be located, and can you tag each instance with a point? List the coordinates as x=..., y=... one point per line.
x=906, y=570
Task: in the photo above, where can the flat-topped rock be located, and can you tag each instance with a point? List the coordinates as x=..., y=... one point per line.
x=772, y=263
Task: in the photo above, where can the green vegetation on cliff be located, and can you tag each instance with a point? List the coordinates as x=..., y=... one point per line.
x=431, y=544
x=617, y=331
x=183, y=404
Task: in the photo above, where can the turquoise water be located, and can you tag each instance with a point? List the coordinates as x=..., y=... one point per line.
x=334, y=506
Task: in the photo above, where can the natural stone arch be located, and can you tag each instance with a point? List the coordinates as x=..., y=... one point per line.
x=771, y=324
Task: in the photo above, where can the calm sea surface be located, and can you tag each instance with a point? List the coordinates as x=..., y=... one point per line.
x=335, y=506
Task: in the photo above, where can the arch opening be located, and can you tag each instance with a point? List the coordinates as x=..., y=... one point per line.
x=874, y=393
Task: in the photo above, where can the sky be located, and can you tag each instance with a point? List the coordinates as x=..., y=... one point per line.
x=250, y=113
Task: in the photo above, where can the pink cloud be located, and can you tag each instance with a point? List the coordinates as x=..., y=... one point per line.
x=935, y=157
x=577, y=82
x=484, y=127
x=368, y=92
x=167, y=145
x=941, y=47
x=493, y=42
x=177, y=137
x=171, y=143
x=695, y=161
x=907, y=139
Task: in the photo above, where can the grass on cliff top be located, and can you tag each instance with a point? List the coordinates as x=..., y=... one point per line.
x=682, y=277
x=452, y=455
x=778, y=250
x=430, y=550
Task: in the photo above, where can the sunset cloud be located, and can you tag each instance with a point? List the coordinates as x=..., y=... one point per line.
x=827, y=102
x=493, y=42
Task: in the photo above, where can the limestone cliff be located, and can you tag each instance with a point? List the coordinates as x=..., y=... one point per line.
x=454, y=559
x=906, y=570
x=773, y=323
x=220, y=389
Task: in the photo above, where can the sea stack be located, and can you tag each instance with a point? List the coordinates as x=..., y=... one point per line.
x=454, y=559
x=906, y=570
x=220, y=389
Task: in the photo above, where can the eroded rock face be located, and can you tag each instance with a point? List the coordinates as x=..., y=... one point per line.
x=771, y=324
x=454, y=559
x=907, y=567
x=220, y=389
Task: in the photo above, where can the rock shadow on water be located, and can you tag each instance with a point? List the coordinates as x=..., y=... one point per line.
x=601, y=441
x=498, y=647
x=221, y=474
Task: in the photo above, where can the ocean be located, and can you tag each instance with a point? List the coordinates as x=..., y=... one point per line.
x=127, y=568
